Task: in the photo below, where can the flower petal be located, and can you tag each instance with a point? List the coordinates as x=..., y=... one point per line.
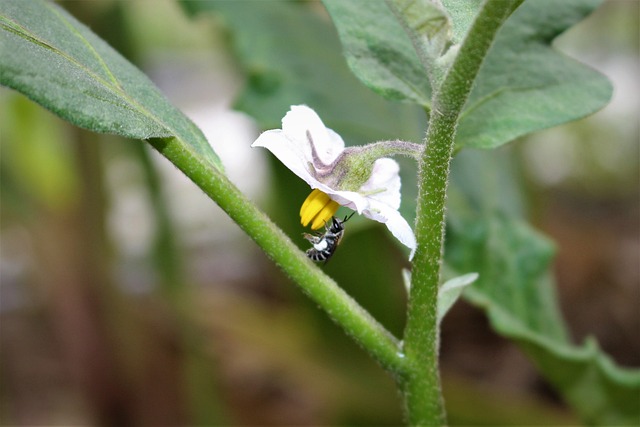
x=350, y=199
x=384, y=183
x=380, y=193
x=301, y=119
x=292, y=146
x=378, y=211
x=379, y=199
x=289, y=152
x=396, y=224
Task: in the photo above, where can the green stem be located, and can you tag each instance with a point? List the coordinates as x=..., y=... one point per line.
x=421, y=386
x=380, y=149
x=355, y=320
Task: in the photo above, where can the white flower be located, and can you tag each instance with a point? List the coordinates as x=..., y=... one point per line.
x=339, y=176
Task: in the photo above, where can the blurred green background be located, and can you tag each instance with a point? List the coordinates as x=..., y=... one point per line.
x=128, y=298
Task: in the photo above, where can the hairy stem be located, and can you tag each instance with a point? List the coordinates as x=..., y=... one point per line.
x=396, y=147
x=421, y=386
x=355, y=320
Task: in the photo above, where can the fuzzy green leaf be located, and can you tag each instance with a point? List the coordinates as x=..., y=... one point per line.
x=515, y=288
x=523, y=86
x=59, y=63
x=378, y=50
x=429, y=28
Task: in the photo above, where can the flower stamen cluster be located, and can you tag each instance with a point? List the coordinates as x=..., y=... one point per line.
x=317, y=209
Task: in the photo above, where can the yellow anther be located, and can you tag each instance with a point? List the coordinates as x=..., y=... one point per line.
x=324, y=216
x=315, y=194
x=317, y=209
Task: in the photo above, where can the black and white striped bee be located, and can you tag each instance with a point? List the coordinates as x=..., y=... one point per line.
x=325, y=244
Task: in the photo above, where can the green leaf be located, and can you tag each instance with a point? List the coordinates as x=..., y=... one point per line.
x=601, y=392
x=462, y=13
x=429, y=28
x=378, y=50
x=451, y=290
x=448, y=293
x=59, y=63
x=425, y=18
x=485, y=234
x=524, y=84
